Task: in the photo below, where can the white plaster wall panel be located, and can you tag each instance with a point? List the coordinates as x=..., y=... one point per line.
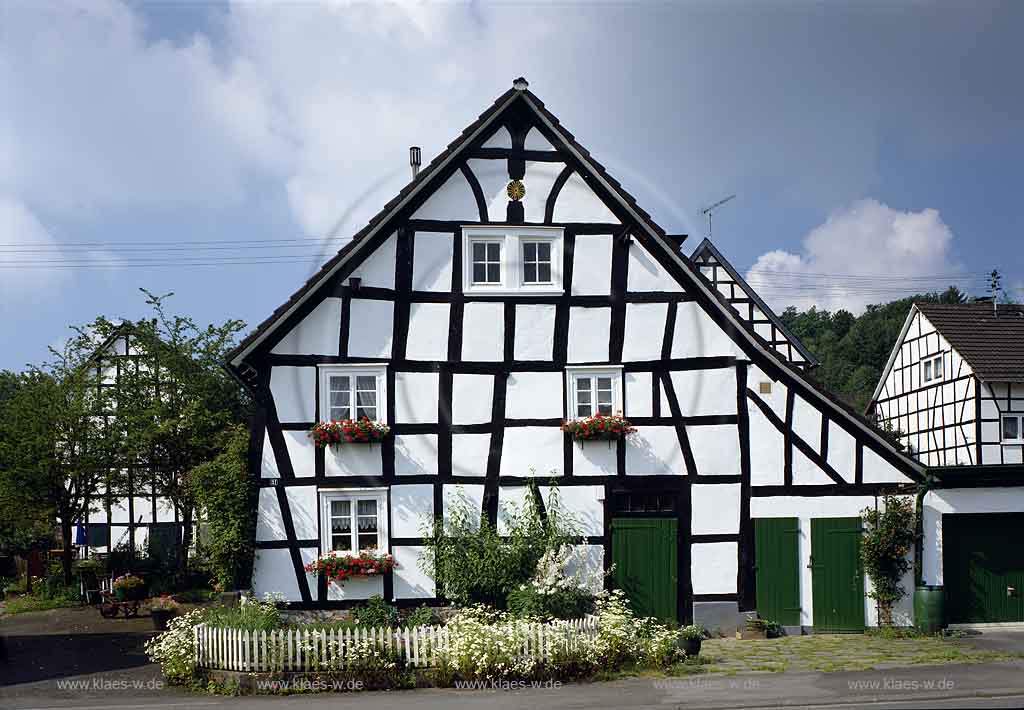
x=141, y=540
x=268, y=464
x=716, y=509
x=499, y=139
x=842, y=452
x=776, y=399
x=353, y=460
x=705, y=392
x=532, y=451
x=302, y=502
x=410, y=581
x=355, y=589
x=428, y=332
x=639, y=389
x=452, y=201
x=534, y=395
x=696, y=335
x=583, y=504
x=471, y=495
x=578, y=203
x=716, y=449
x=540, y=176
x=586, y=565
x=592, y=265
x=415, y=454
x=269, y=524
x=764, y=330
x=595, y=458
x=807, y=423
x=646, y=274
x=99, y=515
x=301, y=452
x=472, y=398
x=371, y=324
x=645, y=331
x=535, y=332
x=806, y=472
x=316, y=334
x=294, y=392
x=493, y=178
x=991, y=454
x=483, y=332
x=878, y=470
x=959, y=500
x=142, y=508
x=164, y=510
x=990, y=431
x=1012, y=455
x=273, y=573
x=378, y=270
x=469, y=454
x=512, y=500
x=412, y=507
x=713, y=567
x=535, y=140
x=432, y=261
x=654, y=450
x=588, y=334
x=119, y=511
x=118, y=534
x=416, y=397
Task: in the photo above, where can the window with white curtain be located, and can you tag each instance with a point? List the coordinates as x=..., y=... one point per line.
x=354, y=520
x=352, y=392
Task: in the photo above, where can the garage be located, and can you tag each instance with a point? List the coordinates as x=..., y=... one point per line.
x=983, y=567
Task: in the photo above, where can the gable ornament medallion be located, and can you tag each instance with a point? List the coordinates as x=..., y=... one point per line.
x=516, y=190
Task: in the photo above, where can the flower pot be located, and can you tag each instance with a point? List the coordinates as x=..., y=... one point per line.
x=691, y=647
x=161, y=617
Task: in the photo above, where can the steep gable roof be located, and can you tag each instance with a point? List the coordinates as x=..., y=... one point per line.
x=598, y=178
x=992, y=342
x=707, y=256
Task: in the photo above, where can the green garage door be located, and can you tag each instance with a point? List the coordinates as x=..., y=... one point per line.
x=837, y=585
x=644, y=555
x=777, y=568
x=983, y=567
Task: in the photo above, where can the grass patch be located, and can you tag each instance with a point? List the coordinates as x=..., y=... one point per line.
x=27, y=603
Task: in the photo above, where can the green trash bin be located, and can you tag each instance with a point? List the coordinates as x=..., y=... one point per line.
x=930, y=608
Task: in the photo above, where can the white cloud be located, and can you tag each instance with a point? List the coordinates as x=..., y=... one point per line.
x=865, y=253
x=19, y=226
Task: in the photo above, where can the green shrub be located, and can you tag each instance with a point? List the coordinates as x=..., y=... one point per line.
x=376, y=613
x=887, y=539
x=420, y=616
x=566, y=603
x=250, y=615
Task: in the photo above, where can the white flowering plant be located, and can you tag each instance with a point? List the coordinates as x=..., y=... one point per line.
x=175, y=649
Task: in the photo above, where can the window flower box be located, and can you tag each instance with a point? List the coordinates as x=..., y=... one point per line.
x=599, y=427
x=338, y=568
x=348, y=431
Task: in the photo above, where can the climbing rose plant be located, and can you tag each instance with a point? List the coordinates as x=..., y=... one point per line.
x=599, y=427
x=338, y=568
x=348, y=431
x=887, y=539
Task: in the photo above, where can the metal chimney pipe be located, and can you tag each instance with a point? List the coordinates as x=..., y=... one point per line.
x=415, y=159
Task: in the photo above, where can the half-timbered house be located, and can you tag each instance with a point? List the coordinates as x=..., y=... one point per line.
x=514, y=284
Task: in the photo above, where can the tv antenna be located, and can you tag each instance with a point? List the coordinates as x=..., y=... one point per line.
x=708, y=210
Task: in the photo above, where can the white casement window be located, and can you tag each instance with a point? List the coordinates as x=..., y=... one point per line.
x=1011, y=428
x=594, y=390
x=932, y=369
x=510, y=260
x=354, y=520
x=353, y=392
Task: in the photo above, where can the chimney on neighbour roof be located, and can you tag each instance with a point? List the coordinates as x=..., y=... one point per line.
x=415, y=159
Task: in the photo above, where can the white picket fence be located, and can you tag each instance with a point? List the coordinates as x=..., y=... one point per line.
x=311, y=649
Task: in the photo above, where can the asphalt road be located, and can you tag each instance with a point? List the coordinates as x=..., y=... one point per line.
x=72, y=659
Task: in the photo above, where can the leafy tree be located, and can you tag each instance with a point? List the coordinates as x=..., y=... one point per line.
x=57, y=444
x=888, y=537
x=176, y=402
x=224, y=492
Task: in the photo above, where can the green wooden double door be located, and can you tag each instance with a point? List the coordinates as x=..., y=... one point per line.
x=837, y=584
x=644, y=552
x=983, y=567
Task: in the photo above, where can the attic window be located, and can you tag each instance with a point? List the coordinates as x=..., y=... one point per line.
x=594, y=390
x=511, y=260
x=765, y=388
x=932, y=369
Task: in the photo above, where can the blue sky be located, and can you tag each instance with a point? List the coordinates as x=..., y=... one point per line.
x=875, y=148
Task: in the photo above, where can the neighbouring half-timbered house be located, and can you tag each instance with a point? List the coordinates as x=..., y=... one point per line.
x=514, y=284
x=954, y=389
x=135, y=519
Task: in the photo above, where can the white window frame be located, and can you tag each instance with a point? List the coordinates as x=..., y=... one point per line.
x=574, y=373
x=326, y=372
x=928, y=366
x=1019, y=439
x=512, y=273
x=328, y=495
